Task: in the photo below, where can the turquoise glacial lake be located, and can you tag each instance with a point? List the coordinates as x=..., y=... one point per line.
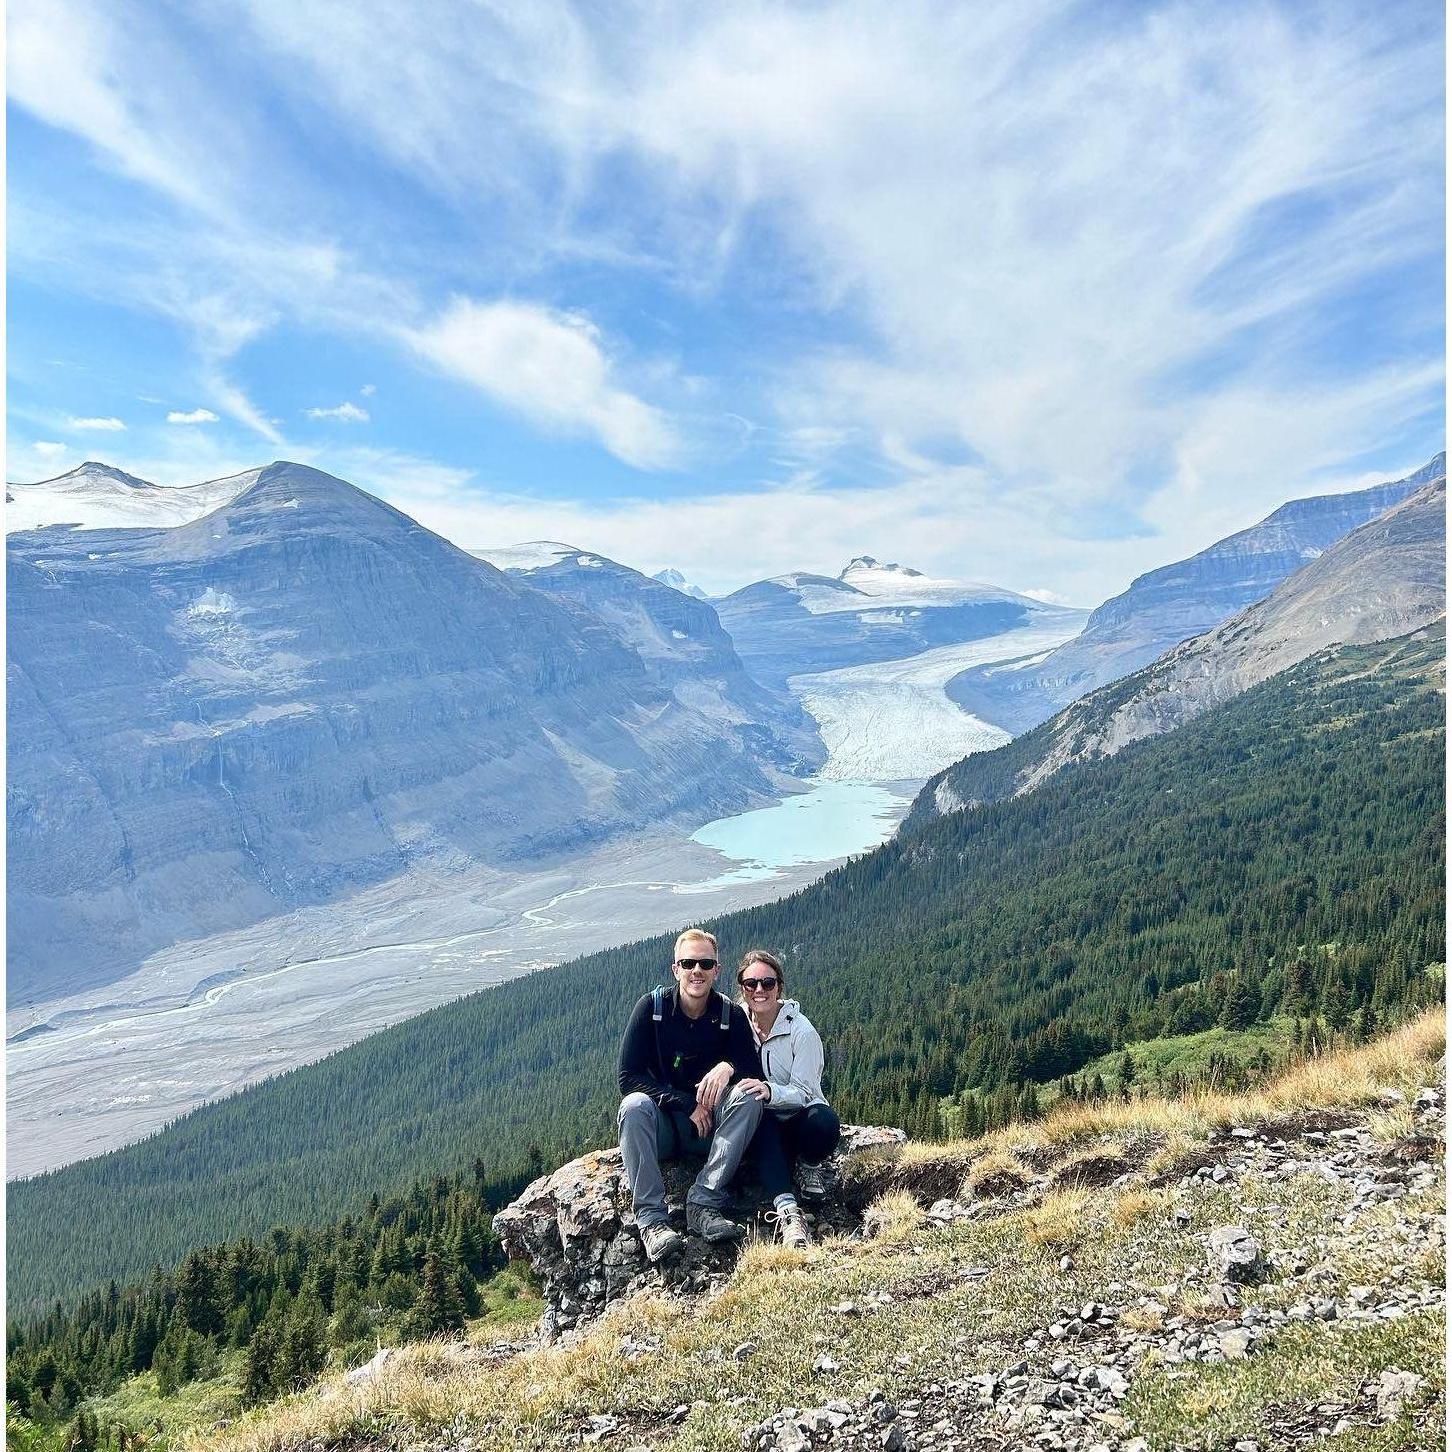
x=833, y=819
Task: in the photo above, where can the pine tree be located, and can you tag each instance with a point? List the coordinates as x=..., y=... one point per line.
x=1241, y=1005
x=304, y=1342
x=260, y=1365
x=197, y=1302
x=438, y=1307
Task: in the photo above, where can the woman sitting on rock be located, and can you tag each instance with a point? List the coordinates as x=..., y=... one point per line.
x=808, y=1129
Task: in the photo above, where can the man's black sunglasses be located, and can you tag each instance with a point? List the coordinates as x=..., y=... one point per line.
x=696, y=962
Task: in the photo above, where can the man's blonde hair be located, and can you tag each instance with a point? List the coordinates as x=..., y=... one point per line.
x=691, y=934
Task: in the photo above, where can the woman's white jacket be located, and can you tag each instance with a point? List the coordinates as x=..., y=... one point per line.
x=791, y=1060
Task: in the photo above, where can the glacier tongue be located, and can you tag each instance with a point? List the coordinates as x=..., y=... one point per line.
x=892, y=720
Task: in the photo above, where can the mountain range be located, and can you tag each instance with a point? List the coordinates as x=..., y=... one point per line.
x=679, y=639
x=1021, y=936
x=1176, y=602
x=1382, y=580
x=304, y=691
x=994, y=947
x=801, y=624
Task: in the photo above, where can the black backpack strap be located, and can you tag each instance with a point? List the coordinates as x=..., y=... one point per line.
x=657, y=1003
x=725, y=1014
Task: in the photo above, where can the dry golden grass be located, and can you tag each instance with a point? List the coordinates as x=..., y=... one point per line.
x=892, y=1218
x=993, y=1173
x=1393, y=1126
x=1403, y=1059
x=770, y=1257
x=1058, y=1222
x=1136, y=1205
x=1142, y=1318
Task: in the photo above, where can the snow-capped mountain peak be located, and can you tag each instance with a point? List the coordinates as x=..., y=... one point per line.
x=100, y=496
x=678, y=581
x=866, y=565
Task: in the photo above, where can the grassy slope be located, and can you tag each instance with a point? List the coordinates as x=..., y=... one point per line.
x=937, y=1326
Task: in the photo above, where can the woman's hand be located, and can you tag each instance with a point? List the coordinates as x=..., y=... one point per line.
x=713, y=1086
x=758, y=1087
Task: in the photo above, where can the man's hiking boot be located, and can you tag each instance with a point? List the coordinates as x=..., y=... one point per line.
x=711, y=1224
x=659, y=1241
x=813, y=1180
x=791, y=1225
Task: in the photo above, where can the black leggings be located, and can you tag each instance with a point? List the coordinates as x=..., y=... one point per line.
x=807, y=1134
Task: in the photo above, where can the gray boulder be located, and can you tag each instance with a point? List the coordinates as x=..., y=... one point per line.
x=1236, y=1253
x=576, y=1230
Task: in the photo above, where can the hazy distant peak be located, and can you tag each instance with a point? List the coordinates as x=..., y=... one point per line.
x=677, y=581
x=99, y=496
x=94, y=469
x=866, y=564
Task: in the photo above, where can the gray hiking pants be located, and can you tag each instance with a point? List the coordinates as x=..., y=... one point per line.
x=650, y=1134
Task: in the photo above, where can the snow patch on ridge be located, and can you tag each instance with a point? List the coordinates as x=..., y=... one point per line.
x=535, y=554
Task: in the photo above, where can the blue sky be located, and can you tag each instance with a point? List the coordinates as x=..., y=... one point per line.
x=1037, y=293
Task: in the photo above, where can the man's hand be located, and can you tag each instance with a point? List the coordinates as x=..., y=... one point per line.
x=713, y=1086
x=701, y=1118
x=758, y=1087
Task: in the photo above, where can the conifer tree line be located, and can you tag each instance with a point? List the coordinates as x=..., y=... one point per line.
x=291, y=1302
x=1282, y=857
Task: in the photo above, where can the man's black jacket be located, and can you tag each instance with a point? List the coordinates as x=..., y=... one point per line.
x=668, y=1059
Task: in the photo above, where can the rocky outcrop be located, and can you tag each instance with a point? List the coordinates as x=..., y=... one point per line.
x=576, y=1229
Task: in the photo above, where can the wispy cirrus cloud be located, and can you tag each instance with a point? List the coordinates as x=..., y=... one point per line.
x=97, y=425
x=344, y=412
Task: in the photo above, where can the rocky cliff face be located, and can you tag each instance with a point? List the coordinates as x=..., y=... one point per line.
x=1382, y=581
x=803, y=624
x=296, y=695
x=681, y=643
x=1177, y=602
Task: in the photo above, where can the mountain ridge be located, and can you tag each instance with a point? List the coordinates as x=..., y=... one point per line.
x=1178, y=601
x=1382, y=580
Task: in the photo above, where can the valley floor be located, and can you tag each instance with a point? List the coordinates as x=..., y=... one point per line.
x=107, y=1066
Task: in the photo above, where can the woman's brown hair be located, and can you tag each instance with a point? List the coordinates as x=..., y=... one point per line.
x=760, y=955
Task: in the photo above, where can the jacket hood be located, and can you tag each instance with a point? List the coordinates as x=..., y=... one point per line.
x=789, y=1010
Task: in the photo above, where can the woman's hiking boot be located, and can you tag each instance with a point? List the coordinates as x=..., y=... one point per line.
x=711, y=1224
x=813, y=1180
x=791, y=1225
x=659, y=1241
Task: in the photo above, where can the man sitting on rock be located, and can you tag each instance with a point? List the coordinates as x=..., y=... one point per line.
x=684, y=1055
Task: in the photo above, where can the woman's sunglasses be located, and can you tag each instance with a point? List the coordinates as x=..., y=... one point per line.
x=758, y=985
